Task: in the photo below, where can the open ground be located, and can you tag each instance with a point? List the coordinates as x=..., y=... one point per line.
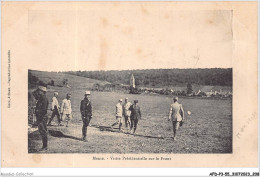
x=207, y=130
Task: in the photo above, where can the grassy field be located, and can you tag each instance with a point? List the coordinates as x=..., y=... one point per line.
x=207, y=130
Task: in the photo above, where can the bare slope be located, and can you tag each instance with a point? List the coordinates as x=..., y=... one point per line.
x=74, y=81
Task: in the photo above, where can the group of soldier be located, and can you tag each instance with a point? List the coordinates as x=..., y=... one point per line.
x=63, y=113
x=130, y=112
x=127, y=112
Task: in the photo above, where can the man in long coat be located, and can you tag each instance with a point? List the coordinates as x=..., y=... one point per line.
x=135, y=116
x=41, y=114
x=86, y=114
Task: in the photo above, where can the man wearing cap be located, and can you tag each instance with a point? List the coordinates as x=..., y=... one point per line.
x=86, y=113
x=55, y=109
x=127, y=112
x=66, y=109
x=176, y=115
x=119, y=114
x=135, y=116
x=41, y=114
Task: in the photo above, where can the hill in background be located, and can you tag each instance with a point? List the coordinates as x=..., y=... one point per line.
x=60, y=79
x=163, y=77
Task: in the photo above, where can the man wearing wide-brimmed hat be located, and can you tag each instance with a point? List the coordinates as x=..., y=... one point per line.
x=86, y=113
x=41, y=114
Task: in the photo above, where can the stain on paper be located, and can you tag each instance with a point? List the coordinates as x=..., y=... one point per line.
x=37, y=158
x=144, y=10
x=128, y=31
x=139, y=51
x=166, y=16
x=57, y=22
x=103, y=53
x=210, y=22
x=104, y=22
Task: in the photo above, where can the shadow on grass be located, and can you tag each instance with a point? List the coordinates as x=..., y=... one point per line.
x=32, y=147
x=59, y=134
x=108, y=129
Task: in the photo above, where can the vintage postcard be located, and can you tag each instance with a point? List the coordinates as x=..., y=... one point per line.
x=129, y=84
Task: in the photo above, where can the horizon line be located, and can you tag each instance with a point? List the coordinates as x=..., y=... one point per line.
x=129, y=69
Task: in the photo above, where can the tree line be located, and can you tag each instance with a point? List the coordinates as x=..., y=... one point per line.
x=34, y=81
x=163, y=77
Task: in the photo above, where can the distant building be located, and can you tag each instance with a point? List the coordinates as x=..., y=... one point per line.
x=214, y=90
x=132, y=81
x=208, y=90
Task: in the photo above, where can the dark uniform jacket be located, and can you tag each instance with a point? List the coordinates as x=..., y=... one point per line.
x=135, y=112
x=41, y=107
x=86, y=108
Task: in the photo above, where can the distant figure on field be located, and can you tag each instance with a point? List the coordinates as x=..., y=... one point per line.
x=119, y=114
x=127, y=112
x=41, y=114
x=55, y=109
x=135, y=116
x=176, y=115
x=66, y=109
x=86, y=114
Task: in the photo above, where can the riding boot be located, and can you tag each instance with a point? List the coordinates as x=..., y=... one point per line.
x=134, y=130
x=120, y=125
x=44, y=142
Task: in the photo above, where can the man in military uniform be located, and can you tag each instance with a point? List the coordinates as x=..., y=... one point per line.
x=135, y=116
x=127, y=112
x=41, y=114
x=119, y=115
x=66, y=110
x=176, y=115
x=55, y=109
x=86, y=113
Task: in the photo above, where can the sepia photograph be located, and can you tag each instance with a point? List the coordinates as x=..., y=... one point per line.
x=133, y=109
x=130, y=111
x=129, y=84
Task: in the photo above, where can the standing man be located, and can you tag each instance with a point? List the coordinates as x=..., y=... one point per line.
x=66, y=109
x=86, y=113
x=41, y=114
x=135, y=116
x=55, y=109
x=119, y=114
x=127, y=112
x=176, y=115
